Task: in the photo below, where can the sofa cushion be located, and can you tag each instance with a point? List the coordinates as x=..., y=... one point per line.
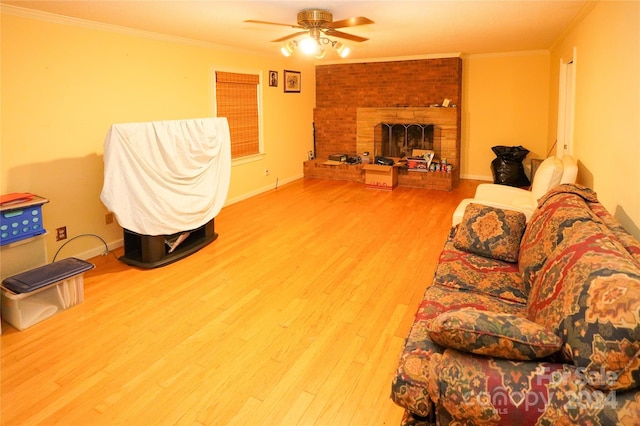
x=493, y=334
x=491, y=232
x=469, y=272
x=477, y=390
x=409, y=386
x=561, y=212
x=440, y=299
x=629, y=243
x=589, y=293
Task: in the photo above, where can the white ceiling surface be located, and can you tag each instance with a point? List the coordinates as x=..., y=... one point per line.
x=401, y=28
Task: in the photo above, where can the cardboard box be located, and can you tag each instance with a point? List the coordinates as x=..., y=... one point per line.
x=380, y=177
x=421, y=152
x=418, y=163
x=420, y=160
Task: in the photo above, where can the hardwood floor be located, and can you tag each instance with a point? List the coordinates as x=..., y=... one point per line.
x=295, y=315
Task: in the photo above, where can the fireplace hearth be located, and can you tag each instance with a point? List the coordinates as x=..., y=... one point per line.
x=441, y=135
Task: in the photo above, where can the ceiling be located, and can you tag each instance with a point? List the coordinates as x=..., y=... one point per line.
x=401, y=28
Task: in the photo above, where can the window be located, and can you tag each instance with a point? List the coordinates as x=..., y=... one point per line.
x=237, y=97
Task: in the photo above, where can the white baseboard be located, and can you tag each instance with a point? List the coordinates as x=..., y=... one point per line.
x=259, y=191
x=100, y=250
x=477, y=177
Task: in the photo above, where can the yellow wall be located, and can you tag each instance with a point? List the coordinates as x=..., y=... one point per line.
x=505, y=101
x=63, y=85
x=512, y=99
x=607, y=114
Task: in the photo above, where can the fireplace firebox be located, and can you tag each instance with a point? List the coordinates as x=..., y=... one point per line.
x=400, y=139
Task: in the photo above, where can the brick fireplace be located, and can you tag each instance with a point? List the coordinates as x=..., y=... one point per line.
x=443, y=120
x=352, y=99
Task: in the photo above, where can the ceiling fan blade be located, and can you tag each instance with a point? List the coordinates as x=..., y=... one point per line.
x=340, y=34
x=253, y=21
x=351, y=22
x=289, y=36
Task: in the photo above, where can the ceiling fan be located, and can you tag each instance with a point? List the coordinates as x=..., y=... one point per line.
x=318, y=23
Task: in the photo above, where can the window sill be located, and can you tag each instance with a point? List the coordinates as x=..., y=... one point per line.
x=247, y=159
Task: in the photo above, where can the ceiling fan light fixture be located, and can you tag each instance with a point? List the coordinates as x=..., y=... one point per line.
x=309, y=46
x=342, y=49
x=288, y=48
x=316, y=24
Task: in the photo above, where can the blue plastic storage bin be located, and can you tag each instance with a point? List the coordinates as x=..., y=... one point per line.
x=20, y=223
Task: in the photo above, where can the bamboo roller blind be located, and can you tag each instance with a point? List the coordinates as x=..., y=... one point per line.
x=237, y=99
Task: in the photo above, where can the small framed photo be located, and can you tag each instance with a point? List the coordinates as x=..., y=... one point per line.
x=292, y=81
x=273, y=78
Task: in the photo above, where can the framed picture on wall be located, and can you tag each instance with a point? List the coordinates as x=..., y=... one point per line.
x=292, y=81
x=273, y=78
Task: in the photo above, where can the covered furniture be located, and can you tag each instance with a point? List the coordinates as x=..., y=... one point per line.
x=551, y=172
x=532, y=323
x=165, y=181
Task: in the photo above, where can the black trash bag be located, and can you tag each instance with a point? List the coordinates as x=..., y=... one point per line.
x=507, y=168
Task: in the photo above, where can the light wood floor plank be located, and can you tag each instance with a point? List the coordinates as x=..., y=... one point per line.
x=294, y=316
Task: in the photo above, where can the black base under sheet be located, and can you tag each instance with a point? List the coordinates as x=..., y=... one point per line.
x=151, y=251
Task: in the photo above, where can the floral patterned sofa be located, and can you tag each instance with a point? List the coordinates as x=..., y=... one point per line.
x=532, y=323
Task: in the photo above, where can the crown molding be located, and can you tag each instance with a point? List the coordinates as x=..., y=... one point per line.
x=514, y=53
x=99, y=26
x=391, y=59
x=584, y=11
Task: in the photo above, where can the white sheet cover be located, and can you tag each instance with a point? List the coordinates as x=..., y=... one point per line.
x=165, y=177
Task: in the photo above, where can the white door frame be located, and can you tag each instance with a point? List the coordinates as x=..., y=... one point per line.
x=566, y=105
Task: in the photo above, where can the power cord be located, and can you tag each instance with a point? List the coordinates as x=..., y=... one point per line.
x=106, y=247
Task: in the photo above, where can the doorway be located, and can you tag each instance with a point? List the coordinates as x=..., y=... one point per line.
x=566, y=106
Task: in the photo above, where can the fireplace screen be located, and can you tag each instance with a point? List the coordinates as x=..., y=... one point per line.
x=400, y=139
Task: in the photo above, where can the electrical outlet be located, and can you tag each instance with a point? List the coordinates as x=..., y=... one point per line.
x=61, y=233
x=108, y=219
x=266, y=172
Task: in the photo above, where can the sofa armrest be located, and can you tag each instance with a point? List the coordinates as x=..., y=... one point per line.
x=504, y=194
x=528, y=392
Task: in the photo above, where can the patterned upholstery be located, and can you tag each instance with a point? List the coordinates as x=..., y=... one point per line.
x=490, y=232
x=468, y=272
x=493, y=334
x=491, y=391
x=576, y=287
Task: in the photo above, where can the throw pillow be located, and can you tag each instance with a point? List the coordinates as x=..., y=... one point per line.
x=493, y=334
x=491, y=232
